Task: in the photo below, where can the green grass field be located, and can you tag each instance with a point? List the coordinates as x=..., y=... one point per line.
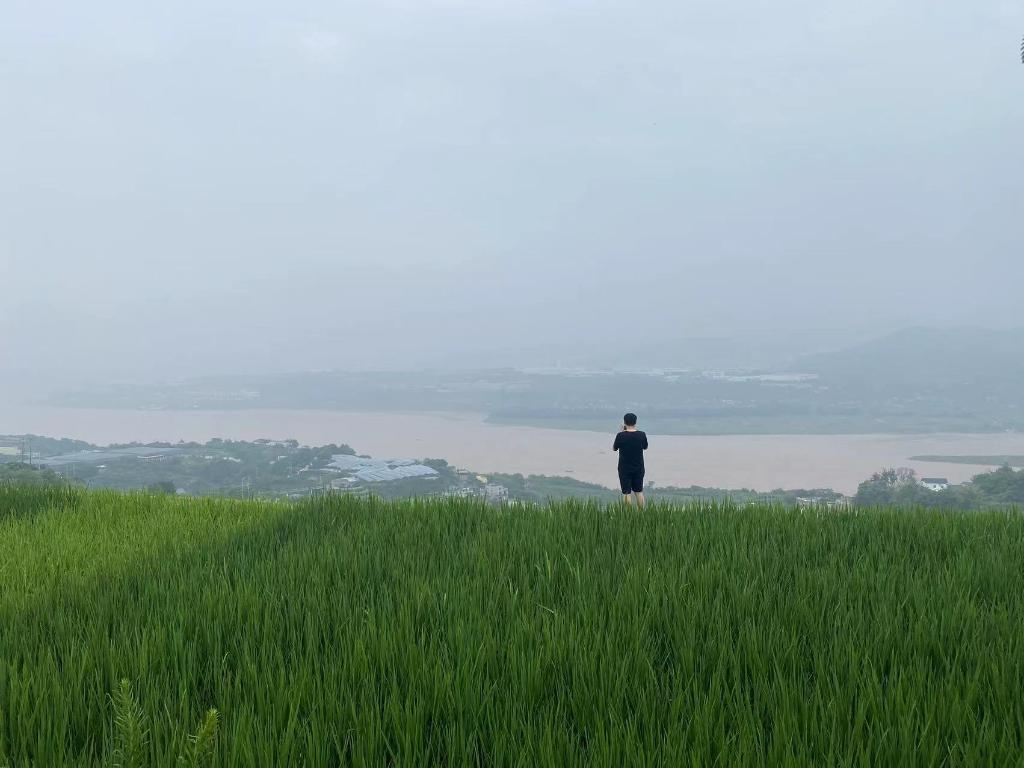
x=356, y=632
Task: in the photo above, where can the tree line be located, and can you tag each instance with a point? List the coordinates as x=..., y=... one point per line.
x=1003, y=487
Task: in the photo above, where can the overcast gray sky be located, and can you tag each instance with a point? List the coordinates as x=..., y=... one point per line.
x=197, y=187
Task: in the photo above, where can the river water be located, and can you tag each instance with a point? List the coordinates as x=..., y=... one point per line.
x=762, y=462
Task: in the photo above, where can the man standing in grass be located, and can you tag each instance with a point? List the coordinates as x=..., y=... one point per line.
x=631, y=444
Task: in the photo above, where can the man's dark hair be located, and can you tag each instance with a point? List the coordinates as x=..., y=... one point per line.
x=629, y=419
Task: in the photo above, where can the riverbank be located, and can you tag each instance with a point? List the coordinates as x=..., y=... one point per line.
x=760, y=462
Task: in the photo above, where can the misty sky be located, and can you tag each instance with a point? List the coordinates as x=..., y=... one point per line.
x=196, y=187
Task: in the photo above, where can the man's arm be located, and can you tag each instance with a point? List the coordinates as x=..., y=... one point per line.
x=645, y=441
x=615, y=445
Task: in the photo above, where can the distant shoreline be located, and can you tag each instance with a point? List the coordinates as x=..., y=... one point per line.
x=725, y=428
x=759, y=462
x=696, y=427
x=1014, y=461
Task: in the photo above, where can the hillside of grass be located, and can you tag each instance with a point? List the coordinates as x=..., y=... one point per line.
x=342, y=631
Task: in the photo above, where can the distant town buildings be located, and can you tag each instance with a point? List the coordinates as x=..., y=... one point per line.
x=935, y=483
x=490, y=492
x=821, y=502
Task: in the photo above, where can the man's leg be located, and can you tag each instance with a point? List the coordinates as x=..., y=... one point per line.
x=637, y=484
x=626, y=485
x=628, y=499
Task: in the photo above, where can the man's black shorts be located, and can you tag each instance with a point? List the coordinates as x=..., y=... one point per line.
x=631, y=480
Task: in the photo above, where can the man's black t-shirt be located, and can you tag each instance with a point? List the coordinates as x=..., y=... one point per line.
x=631, y=447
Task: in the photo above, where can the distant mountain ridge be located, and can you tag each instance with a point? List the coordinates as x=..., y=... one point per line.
x=968, y=361
x=916, y=380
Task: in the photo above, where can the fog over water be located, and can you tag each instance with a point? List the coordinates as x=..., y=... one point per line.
x=252, y=186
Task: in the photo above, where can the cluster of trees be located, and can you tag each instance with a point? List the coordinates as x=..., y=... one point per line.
x=21, y=473
x=228, y=467
x=540, y=488
x=1003, y=487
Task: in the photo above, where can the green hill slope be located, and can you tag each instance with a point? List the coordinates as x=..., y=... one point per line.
x=344, y=631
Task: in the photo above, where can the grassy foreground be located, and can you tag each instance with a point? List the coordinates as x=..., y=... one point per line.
x=341, y=631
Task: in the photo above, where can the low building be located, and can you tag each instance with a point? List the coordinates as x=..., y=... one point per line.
x=401, y=472
x=368, y=470
x=495, y=493
x=935, y=483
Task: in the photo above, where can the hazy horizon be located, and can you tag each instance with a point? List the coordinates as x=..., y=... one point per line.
x=194, y=191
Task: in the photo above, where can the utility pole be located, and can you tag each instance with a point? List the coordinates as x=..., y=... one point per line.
x=26, y=450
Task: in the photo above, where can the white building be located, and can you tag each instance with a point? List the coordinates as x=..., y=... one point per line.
x=935, y=483
x=495, y=493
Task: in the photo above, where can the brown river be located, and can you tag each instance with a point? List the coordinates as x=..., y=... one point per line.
x=762, y=462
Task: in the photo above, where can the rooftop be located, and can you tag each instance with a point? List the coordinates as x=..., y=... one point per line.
x=108, y=454
x=380, y=470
